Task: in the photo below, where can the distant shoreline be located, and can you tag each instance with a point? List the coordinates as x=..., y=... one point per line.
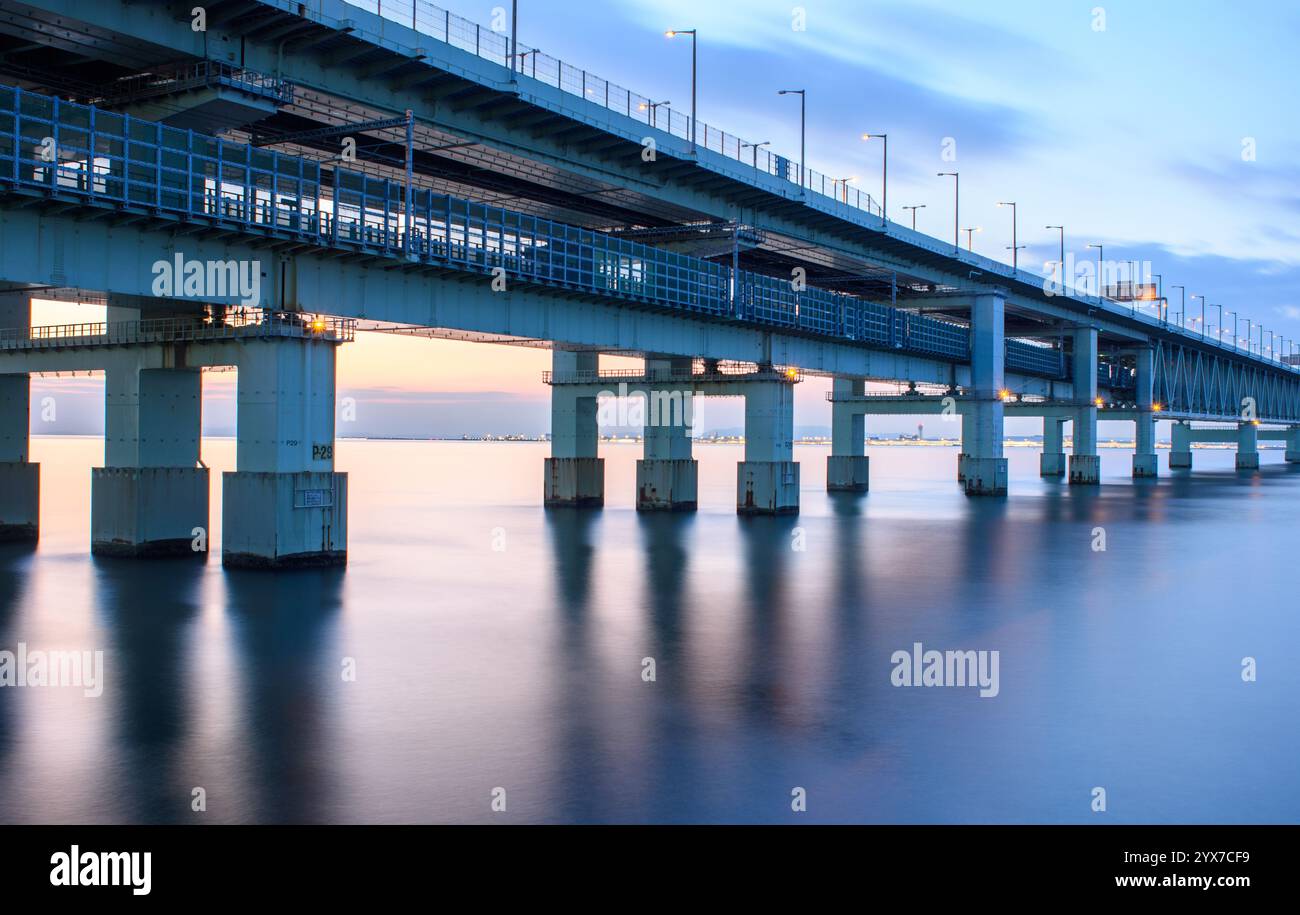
x=1030, y=443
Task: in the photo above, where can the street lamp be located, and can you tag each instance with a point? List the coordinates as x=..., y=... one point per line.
x=884, y=181
x=1061, y=229
x=1235, y=344
x=914, y=209
x=514, y=35
x=1182, y=292
x=1101, y=252
x=803, y=128
x=1202, y=298
x=756, y=146
x=956, y=207
x=970, y=234
x=1015, y=247
x=673, y=33
x=845, y=182
x=1219, y=336
x=653, y=117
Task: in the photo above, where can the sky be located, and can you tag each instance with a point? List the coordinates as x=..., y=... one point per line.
x=1163, y=129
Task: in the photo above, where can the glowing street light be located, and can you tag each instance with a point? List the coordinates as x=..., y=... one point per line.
x=673, y=33
x=803, y=129
x=884, y=183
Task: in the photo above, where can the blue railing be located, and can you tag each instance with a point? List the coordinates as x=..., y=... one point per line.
x=111, y=159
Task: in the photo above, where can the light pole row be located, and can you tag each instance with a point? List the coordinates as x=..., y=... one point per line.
x=1015, y=247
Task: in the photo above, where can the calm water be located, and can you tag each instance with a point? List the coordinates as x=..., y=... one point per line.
x=520, y=668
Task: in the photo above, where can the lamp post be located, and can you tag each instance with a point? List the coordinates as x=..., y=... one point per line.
x=845, y=182
x=1202, y=298
x=803, y=129
x=884, y=180
x=970, y=235
x=653, y=117
x=755, y=147
x=914, y=209
x=1182, y=291
x=1235, y=344
x=673, y=33
x=1061, y=229
x=1015, y=247
x=1101, y=253
x=956, y=207
x=514, y=35
x=1219, y=333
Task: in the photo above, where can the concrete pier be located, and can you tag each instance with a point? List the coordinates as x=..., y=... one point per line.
x=767, y=481
x=1052, y=461
x=1180, y=451
x=1145, y=463
x=848, y=469
x=1085, y=464
x=150, y=498
x=285, y=506
x=20, y=480
x=574, y=474
x=985, y=469
x=1293, y=445
x=145, y=512
x=1248, y=446
x=667, y=477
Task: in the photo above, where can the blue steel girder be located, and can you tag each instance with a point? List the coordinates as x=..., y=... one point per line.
x=1223, y=385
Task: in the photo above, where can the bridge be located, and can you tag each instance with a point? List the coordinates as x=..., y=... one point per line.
x=250, y=189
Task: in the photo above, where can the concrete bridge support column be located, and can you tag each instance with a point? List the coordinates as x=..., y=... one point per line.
x=1052, y=463
x=1085, y=464
x=1248, y=446
x=962, y=426
x=1145, y=463
x=284, y=506
x=20, y=480
x=667, y=479
x=1180, y=452
x=767, y=481
x=1293, y=445
x=848, y=469
x=150, y=498
x=575, y=476
x=985, y=469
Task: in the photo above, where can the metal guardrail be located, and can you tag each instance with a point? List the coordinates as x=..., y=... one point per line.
x=428, y=19
x=110, y=159
x=179, y=330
